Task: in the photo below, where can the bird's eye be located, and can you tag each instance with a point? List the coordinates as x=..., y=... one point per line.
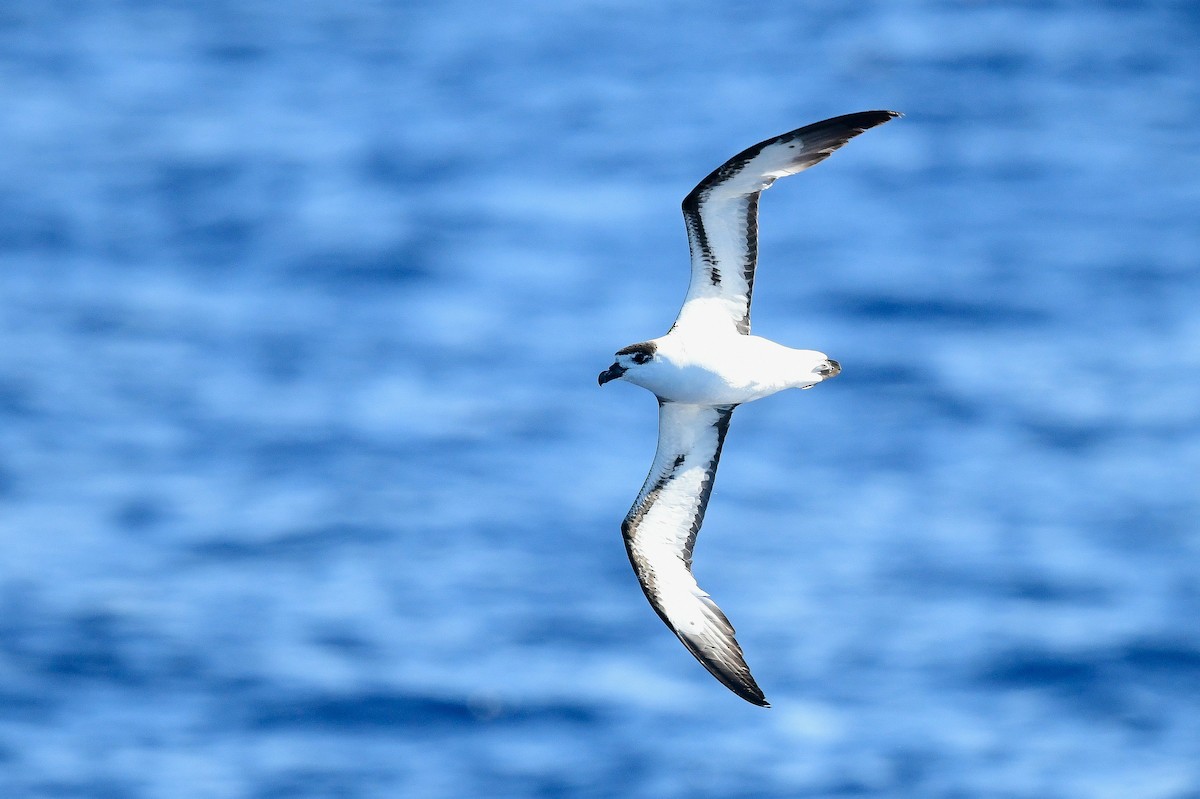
x=641, y=357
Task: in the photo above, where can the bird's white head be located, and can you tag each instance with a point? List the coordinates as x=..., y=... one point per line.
x=631, y=362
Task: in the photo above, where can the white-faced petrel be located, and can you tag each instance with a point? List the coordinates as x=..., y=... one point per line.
x=705, y=366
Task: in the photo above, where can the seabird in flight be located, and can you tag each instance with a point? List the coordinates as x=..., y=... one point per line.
x=705, y=366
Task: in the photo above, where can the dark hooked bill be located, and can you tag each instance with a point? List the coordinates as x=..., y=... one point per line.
x=611, y=373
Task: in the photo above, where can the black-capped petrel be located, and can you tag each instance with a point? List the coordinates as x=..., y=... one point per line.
x=705, y=366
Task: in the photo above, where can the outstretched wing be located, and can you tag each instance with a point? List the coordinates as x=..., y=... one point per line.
x=721, y=215
x=660, y=531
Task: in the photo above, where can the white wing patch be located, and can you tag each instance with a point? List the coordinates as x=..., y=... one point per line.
x=721, y=215
x=660, y=533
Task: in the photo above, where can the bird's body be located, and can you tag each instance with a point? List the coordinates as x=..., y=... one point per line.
x=716, y=366
x=703, y=368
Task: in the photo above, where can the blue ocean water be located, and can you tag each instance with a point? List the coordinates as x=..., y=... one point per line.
x=307, y=489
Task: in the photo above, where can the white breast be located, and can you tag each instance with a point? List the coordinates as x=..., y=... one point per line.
x=727, y=369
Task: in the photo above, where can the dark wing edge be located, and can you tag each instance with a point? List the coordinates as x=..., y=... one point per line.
x=718, y=651
x=660, y=534
x=817, y=142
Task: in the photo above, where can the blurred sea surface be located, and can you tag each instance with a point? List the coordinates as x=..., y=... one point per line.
x=307, y=488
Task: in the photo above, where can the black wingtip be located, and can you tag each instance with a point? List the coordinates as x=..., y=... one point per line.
x=881, y=114
x=722, y=655
x=820, y=139
x=734, y=676
x=754, y=698
x=859, y=122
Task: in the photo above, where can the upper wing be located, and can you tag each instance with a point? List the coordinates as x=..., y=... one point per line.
x=660, y=531
x=721, y=214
